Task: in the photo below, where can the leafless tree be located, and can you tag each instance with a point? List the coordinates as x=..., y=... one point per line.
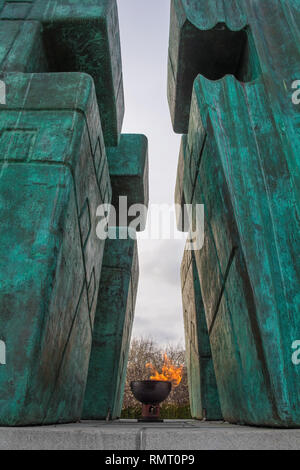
x=145, y=350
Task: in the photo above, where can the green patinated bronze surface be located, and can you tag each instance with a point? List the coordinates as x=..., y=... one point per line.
x=68, y=36
x=53, y=176
x=204, y=397
x=51, y=258
x=129, y=173
x=112, y=331
x=240, y=159
x=128, y=168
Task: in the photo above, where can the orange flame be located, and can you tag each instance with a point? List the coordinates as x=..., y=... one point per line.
x=169, y=372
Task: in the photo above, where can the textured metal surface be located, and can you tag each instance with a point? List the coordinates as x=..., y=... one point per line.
x=112, y=330
x=54, y=174
x=131, y=435
x=128, y=168
x=68, y=36
x=50, y=259
x=151, y=392
x=246, y=38
x=129, y=173
x=241, y=160
x=204, y=397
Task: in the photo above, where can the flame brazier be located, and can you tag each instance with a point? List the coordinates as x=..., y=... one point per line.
x=151, y=393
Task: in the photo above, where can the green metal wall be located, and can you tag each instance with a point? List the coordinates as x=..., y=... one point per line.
x=240, y=158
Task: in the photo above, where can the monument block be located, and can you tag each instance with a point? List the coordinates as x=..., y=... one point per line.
x=50, y=255
x=240, y=159
x=112, y=331
x=204, y=397
x=245, y=301
x=60, y=64
x=128, y=169
x=68, y=36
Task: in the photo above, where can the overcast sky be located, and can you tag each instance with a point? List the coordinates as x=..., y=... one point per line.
x=144, y=26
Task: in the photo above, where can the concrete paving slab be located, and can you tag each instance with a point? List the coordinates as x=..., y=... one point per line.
x=131, y=435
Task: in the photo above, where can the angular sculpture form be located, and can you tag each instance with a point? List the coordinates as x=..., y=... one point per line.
x=240, y=159
x=128, y=168
x=112, y=330
x=204, y=397
x=49, y=272
x=54, y=175
x=68, y=36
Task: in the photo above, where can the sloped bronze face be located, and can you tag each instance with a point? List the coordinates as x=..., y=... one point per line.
x=151, y=391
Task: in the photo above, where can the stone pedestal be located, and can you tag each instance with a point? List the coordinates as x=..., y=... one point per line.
x=54, y=176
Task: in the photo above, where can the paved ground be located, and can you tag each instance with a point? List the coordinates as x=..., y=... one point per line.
x=130, y=435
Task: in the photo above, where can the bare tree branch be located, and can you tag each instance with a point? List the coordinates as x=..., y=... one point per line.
x=144, y=350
